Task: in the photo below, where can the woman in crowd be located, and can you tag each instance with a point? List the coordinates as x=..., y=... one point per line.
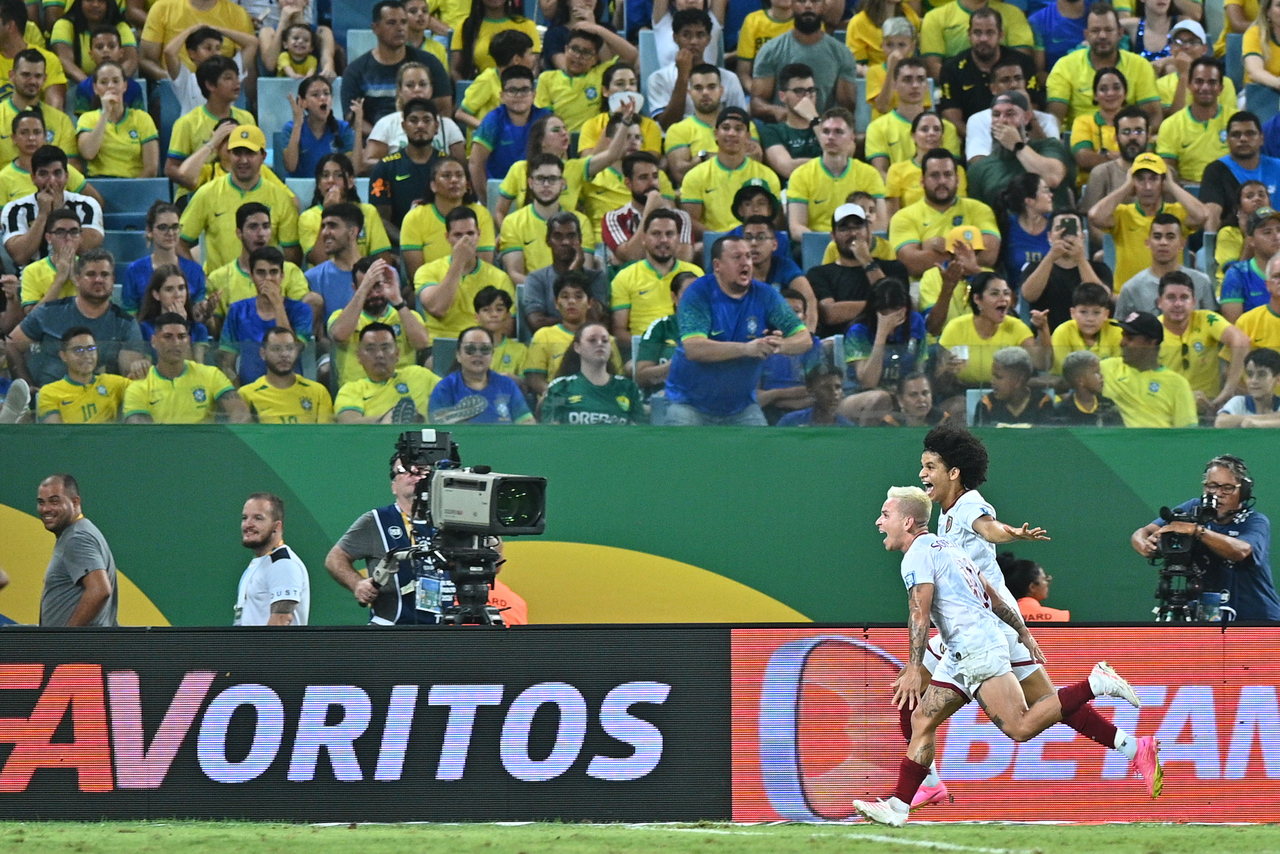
x=336, y=182
x=1150, y=33
x=315, y=131
x=72, y=37
x=1261, y=46
x=387, y=136
x=588, y=388
x=883, y=343
x=487, y=18
x=1093, y=136
x=1026, y=205
x=1029, y=584
x=422, y=234
x=915, y=403
x=168, y=291
x=621, y=80
x=970, y=341
x=163, y=235
x=472, y=393
x=904, y=181
x=117, y=141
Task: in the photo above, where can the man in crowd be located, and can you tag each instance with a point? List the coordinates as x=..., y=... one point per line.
x=1197, y=341
x=841, y=288
x=503, y=137
x=641, y=292
x=1130, y=224
x=387, y=393
x=889, y=138
x=27, y=79
x=1166, y=243
x=274, y=588
x=791, y=143
x=447, y=287
x=330, y=283
x=835, y=74
x=13, y=28
x=822, y=184
x=377, y=299
x=233, y=281
x=177, y=390
x=729, y=324
x=396, y=183
x=966, y=78
x=1146, y=393
x=692, y=139
x=80, y=581
x=574, y=93
x=1244, y=161
x=670, y=97
x=1014, y=153
x=708, y=190
x=1193, y=138
x=53, y=276
x=280, y=396
x=373, y=75
x=26, y=219
x=1006, y=76
x=564, y=239
x=1187, y=43
x=206, y=212
x=82, y=396
x=944, y=35
x=116, y=334
x=523, y=240
x=1133, y=138
x=249, y=319
x=918, y=231
x=1070, y=83
x=620, y=231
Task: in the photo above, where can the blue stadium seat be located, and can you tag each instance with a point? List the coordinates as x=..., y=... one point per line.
x=1208, y=263
x=305, y=189
x=307, y=361
x=1215, y=14
x=127, y=200
x=125, y=246
x=278, y=142
x=1235, y=59
x=709, y=239
x=648, y=61
x=443, y=350
x=459, y=91
x=117, y=294
x=492, y=193
x=359, y=41
x=1261, y=100
x=1109, y=251
x=170, y=112
x=972, y=397
x=862, y=111
x=523, y=333
x=273, y=103
x=813, y=247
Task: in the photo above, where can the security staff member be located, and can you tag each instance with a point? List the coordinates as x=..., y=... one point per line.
x=1234, y=548
x=382, y=530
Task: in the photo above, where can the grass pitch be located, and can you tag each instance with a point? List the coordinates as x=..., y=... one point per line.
x=707, y=838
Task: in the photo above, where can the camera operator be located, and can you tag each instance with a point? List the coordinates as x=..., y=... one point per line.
x=1233, y=548
x=370, y=537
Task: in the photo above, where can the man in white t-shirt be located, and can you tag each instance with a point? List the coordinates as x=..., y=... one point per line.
x=275, y=589
x=1006, y=76
x=946, y=589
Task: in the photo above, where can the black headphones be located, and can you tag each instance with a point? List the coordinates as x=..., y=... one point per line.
x=1236, y=466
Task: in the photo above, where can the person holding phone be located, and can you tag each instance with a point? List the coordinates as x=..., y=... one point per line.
x=1049, y=285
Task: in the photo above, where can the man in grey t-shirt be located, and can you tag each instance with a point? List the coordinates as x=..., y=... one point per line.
x=80, y=583
x=537, y=301
x=834, y=71
x=1166, y=243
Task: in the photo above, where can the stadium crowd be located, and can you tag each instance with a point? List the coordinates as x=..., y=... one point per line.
x=792, y=212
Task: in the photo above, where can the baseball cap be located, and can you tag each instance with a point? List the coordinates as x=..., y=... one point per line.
x=1150, y=162
x=1013, y=96
x=752, y=188
x=1192, y=27
x=965, y=234
x=247, y=136
x=733, y=113
x=1142, y=323
x=1258, y=217
x=846, y=210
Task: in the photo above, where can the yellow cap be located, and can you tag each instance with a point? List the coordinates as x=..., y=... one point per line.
x=1147, y=160
x=965, y=234
x=247, y=136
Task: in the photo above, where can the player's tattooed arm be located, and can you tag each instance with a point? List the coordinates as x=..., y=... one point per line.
x=1011, y=617
x=919, y=602
x=994, y=531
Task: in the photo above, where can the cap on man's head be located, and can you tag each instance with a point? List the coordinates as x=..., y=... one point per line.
x=965, y=234
x=1151, y=162
x=849, y=209
x=247, y=136
x=756, y=187
x=735, y=113
x=1013, y=96
x=1142, y=323
x=1260, y=216
x=1192, y=27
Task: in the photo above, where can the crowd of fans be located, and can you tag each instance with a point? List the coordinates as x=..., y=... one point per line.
x=1053, y=215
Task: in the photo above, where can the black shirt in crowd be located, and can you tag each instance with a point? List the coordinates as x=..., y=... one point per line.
x=967, y=88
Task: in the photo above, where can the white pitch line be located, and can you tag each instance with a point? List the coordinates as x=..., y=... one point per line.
x=896, y=840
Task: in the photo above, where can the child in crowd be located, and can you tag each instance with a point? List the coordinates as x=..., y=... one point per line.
x=105, y=46
x=298, y=59
x=825, y=385
x=1011, y=400
x=509, y=47
x=493, y=312
x=783, y=387
x=315, y=131
x=423, y=29
x=290, y=46
x=1260, y=407
x=1088, y=328
x=202, y=42
x=73, y=34
x=1084, y=405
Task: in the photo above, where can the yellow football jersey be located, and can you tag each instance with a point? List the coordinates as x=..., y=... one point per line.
x=1067, y=339
x=574, y=98
x=713, y=186
x=373, y=237
x=59, y=130
x=97, y=402
x=1071, y=81
x=190, y=398
x=462, y=311
x=515, y=185
x=594, y=128
x=231, y=284
x=509, y=358
x=212, y=212
x=607, y=191
x=645, y=292
x=37, y=278
x=304, y=402
x=1130, y=231
x=1262, y=325
x=813, y=184
x=962, y=331
x=424, y=230
x=904, y=183
x=195, y=129
x=920, y=222
x=371, y=400
x=121, y=153
x=1191, y=144
x=15, y=182
x=490, y=27
x=484, y=94
x=1158, y=398
x=345, y=359
x=1197, y=352
x=890, y=136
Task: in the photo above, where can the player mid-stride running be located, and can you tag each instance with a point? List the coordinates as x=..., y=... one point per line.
x=946, y=589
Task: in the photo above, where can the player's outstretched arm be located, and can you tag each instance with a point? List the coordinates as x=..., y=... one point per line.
x=994, y=531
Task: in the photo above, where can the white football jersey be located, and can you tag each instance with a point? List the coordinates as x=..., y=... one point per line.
x=277, y=575
x=956, y=525
x=961, y=609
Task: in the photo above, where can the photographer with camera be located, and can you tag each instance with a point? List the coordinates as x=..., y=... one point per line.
x=1229, y=543
x=371, y=537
